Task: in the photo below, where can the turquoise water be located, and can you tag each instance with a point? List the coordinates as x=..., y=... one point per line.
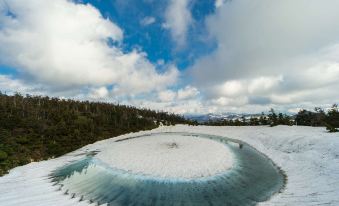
x=252, y=179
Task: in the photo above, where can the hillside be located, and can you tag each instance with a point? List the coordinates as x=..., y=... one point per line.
x=34, y=128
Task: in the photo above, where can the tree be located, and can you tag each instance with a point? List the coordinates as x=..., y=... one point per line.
x=37, y=128
x=243, y=121
x=332, y=119
x=331, y=128
x=308, y=118
x=254, y=121
x=263, y=119
x=273, y=118
x=3, y=155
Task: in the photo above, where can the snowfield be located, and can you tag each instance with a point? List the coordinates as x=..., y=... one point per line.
x=309, y=156
x=168, y=156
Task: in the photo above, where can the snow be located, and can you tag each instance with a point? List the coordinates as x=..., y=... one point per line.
x=309, y=156
x=168, y=156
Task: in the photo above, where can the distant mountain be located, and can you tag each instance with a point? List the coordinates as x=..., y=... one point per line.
x=216, y=117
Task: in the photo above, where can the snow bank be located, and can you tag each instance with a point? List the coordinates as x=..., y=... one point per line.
x=309, y=156
x=168, y=156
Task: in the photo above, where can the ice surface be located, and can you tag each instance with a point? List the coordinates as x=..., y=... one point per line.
x=309, y=156
x=168, y=156
x=252, y=179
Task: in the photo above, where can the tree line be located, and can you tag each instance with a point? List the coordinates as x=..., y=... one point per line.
x=34, y=128
x=316, y=118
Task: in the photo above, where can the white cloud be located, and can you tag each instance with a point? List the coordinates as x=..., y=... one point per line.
x=10, y=85
x=178, y=19
x=269, y=54
x=239, y=92
x=225, y=101
x=99, y=93
x=152, y=81
x=167, y=96
x=263, y=84
x=272, y=53
x=231, y=88
x=219, y=3
x=148, y=20
x=189, y=106
x=181, y=101
x=188, y=92
x=65, y=45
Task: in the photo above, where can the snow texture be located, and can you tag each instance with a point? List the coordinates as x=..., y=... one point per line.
x=309, y=156
x=168, y=156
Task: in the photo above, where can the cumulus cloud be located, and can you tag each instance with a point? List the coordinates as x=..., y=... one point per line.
x=219, y=3
x=10, y=85
x=99, y=93
x=184, y=100
x=148, y=20
x=188, y=106
x=152, y=81
x=167, y=96
x=70, y=45
x=178, y=19
x=185, y=93
x=231, y=88
x=225, y=101
x=271, y=53
x=281, y=54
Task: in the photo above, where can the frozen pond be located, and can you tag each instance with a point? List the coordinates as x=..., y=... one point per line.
x=249, y=178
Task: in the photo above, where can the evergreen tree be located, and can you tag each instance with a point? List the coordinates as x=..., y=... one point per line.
x=273, y=118
x=308, y=118
x=34, y=128
x=332, y=119
x=263, y=119
x=254, y=121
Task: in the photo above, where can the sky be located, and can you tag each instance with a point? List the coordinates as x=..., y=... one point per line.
x=181, y=56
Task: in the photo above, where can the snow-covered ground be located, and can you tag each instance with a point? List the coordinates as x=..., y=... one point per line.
x=309, y=156
x=168, y=156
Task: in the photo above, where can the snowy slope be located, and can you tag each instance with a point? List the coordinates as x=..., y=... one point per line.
x=309, y=156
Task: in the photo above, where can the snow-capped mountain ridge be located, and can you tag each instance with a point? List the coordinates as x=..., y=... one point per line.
x=221, y=116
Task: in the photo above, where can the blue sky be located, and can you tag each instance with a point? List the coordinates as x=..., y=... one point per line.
x=153, y=38
x=182, y=56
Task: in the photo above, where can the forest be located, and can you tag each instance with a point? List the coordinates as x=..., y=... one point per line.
x=34, y=128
